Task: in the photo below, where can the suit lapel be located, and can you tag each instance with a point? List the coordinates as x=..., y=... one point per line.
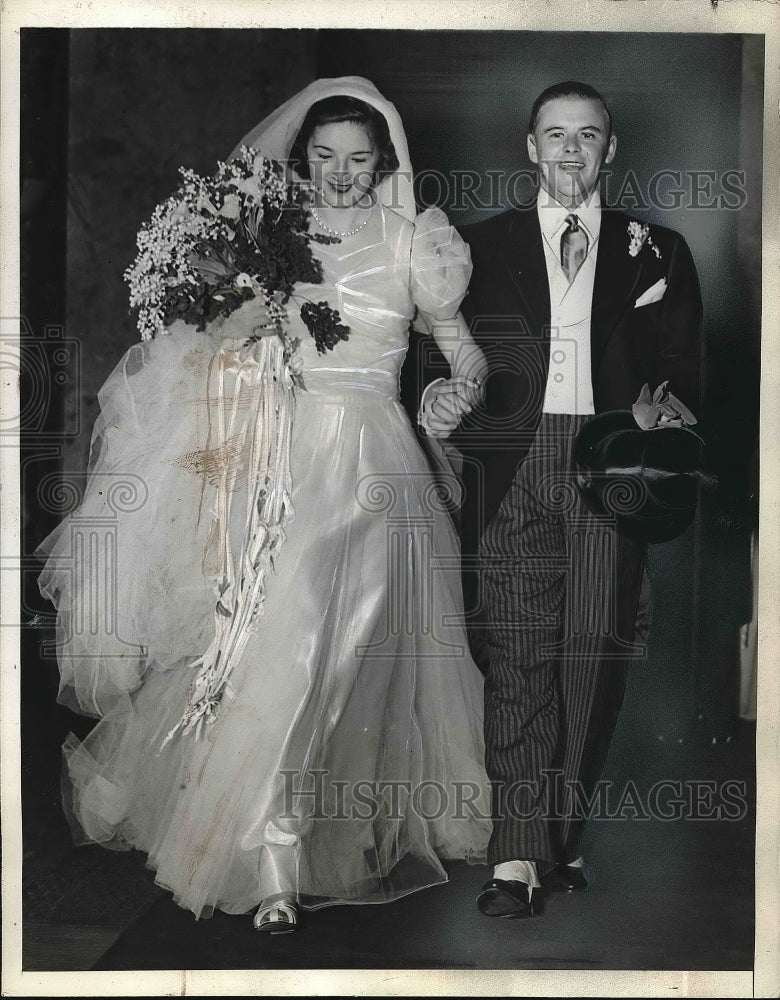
x=526, y=264
x=616, y=279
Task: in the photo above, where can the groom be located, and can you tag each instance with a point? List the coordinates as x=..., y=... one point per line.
x=576, y=306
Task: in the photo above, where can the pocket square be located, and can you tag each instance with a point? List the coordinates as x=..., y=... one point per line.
x=653, y=294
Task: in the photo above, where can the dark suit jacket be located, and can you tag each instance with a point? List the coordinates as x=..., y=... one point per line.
x=508, y=310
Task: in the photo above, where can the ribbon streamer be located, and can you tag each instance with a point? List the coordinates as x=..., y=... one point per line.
x=262, y=433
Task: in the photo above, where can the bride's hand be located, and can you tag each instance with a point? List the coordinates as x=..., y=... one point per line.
x=251, y=319
x=446, y=402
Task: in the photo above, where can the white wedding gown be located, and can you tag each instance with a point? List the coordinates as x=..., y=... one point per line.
x=358, y=672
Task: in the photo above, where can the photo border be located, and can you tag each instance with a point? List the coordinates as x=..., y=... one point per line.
x=688, y=16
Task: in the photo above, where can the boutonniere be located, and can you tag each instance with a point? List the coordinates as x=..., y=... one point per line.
x=639, y=236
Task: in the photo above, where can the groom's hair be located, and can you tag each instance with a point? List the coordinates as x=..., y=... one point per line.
x=570, y=88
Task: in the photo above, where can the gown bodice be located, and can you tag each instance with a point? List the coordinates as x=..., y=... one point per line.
x=377, y=280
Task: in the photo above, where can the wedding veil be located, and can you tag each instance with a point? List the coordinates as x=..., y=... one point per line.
x=274, y=136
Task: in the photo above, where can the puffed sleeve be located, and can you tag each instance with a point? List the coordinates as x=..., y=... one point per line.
x=441, y=265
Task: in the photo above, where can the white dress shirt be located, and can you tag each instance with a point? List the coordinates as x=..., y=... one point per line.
x=569, y=382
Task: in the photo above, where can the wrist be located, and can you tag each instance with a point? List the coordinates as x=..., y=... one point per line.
x=424, y=409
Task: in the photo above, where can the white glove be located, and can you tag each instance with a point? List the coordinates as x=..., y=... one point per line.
x=251, y=319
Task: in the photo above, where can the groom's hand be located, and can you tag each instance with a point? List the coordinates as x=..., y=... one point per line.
x=444, y=404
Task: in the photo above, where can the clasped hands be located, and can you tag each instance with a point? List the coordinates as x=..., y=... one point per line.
x=446, y=401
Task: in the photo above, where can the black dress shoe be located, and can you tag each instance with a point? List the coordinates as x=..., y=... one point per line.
x=508, y=898
x=568, y=878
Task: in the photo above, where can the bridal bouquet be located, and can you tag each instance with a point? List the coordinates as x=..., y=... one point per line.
x=220, y=241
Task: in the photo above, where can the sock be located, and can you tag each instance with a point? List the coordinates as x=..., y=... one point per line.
x=577, y=863
x=520, y=871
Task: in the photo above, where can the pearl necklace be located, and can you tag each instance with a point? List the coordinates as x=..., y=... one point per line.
x=338, y=232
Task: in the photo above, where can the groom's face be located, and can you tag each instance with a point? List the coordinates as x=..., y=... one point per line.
x=571, y=142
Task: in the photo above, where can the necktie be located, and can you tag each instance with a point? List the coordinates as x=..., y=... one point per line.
x=574, y=247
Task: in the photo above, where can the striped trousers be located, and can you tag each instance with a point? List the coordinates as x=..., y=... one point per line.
x=559, y=590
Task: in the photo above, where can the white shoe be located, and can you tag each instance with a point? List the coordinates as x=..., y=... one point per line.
x=280, y=917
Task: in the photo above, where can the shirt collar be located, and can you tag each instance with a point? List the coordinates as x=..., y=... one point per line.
x=552, y=215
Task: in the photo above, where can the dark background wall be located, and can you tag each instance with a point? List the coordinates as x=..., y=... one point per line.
x=138, y=103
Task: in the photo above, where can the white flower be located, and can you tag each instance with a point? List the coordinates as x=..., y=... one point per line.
x=249, y=186
x=204, y=202
x=231, y=207
x=245, y=280
x=639, y=236
x=178, y=213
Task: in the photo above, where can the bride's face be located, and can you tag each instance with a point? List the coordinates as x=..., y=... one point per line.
x=342, y=159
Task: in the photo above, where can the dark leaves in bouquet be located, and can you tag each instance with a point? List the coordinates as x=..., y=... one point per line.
x=272, y=244
x=215, y=261
x=202, y=304
x=324, y=324
x=286, y=255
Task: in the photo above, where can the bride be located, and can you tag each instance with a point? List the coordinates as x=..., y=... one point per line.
x=345, y=761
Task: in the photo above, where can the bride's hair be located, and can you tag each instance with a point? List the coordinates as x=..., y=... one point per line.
x=345, y=109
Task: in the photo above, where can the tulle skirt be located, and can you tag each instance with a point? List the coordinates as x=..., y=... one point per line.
x=345, y=761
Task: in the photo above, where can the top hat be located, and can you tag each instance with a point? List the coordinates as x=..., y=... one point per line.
x=647, y=480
